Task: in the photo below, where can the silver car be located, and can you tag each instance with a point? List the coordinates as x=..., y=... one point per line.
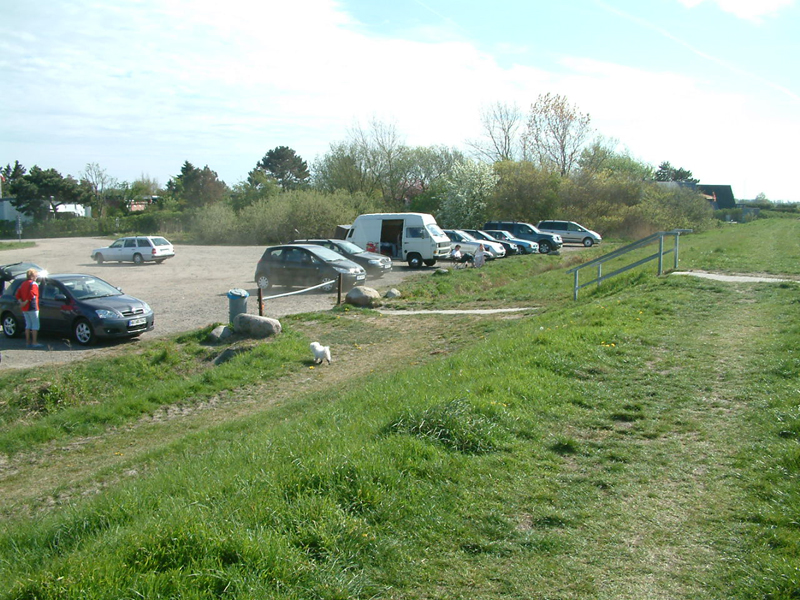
x=137, y=249
x=571, y=232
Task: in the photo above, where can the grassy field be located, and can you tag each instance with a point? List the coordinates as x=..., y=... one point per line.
x=643, y=442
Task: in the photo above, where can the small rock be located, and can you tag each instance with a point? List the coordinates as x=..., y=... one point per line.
x=392, y=293
x=219, y=333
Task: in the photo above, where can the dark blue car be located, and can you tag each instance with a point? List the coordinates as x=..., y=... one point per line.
x=82, y=306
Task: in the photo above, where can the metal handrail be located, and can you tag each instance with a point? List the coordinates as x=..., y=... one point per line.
x=598, y=262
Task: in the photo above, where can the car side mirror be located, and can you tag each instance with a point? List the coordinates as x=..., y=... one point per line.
x=60, y=297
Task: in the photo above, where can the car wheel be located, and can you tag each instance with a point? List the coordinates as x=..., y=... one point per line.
x=98, y=258
x=544, y=248
x=137, y=259
x=430, y=263
x=11, y=326
x=588, y=242
x=414, y=261
x=84, y=332
x=331, y=284
x=263, y=282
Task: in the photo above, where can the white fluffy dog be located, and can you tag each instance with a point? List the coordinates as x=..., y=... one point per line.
x=320, y=353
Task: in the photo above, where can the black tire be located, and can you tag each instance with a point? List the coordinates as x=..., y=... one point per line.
x=429, y=262
x=544, y=247
x=588, y=242
x=414, y=260
x=98, y=258
x=83, y=332
x=11, y=326
x=137, y=259
x=263, y=281
x=331, y=284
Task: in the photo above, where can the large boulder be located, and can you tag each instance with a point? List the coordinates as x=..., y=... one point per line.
x=363, y=296
x=256, y=327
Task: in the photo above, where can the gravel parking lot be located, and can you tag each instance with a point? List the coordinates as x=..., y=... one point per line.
x=186, y=292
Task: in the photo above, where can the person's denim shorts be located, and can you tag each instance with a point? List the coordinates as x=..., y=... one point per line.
x=31, y=319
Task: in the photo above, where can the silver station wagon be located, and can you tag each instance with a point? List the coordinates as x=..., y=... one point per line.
x=136, y=249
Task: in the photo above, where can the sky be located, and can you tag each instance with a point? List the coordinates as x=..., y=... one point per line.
x=141, y=86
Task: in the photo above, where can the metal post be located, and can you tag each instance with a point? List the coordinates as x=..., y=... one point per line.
x=661, y=255
x=339, y=289
x=260, y=302
x=575, y=291
x=677, y=237
x=599, y=273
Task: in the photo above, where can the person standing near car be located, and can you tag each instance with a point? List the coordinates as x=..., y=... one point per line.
x=28, y=296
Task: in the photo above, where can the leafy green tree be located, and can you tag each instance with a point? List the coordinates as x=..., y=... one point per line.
x=40, y=192
x=287, y=167
x=257, y=186
x=195, y=188
x=524, y=192
x=11, y=175
x=666, y=172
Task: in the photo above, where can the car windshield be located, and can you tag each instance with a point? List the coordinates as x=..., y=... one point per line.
x=349, y=247
x=434, y=230
x=501, y=235
x=467, y=237
x=327, y=254
x=85, y=287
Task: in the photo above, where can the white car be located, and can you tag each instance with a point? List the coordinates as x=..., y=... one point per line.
x=469, y=244
x=137, y=249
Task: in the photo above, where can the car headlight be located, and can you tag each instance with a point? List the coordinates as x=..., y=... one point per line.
x=374, y=261
x=343, y=270
x=105, y=313
x=146, y=307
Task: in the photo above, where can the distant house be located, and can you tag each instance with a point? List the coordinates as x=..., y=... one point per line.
x=9, y=213
x=721, y=195
x=140, y=203
x=79, y=210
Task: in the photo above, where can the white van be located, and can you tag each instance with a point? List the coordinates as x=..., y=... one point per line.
x=413, y=237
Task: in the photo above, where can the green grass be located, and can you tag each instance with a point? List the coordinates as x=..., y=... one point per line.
x=16, y=245
x=643, y=442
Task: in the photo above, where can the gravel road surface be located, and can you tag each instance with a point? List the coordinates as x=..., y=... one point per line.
x=186, y=292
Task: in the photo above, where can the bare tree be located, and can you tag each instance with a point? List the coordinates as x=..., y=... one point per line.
x=556, y=132
x=501, y=124
x=98, y=183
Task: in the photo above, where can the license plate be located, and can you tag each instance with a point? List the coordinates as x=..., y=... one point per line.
x=135, y=322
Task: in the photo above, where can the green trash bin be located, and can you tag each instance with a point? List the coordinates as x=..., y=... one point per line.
x=237, y=303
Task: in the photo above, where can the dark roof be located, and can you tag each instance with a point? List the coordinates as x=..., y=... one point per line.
x=723, y=194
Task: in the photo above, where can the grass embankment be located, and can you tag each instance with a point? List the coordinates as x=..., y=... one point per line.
x=643, y=442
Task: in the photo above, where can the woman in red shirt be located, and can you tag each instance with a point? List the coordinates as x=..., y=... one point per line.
x=28, y=296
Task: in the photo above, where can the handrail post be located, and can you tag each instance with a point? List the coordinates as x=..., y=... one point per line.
x=599, y=273
x=661, y=255
x=677, y=237
x=339, y=289
x=575, y=291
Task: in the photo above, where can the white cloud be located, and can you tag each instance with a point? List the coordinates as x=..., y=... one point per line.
x=752, y=10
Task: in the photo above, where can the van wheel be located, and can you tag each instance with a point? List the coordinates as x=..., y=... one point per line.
x=429, y=263
x=544, y=247
x=98, y=258
x=588, y=242
x=414, y=261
